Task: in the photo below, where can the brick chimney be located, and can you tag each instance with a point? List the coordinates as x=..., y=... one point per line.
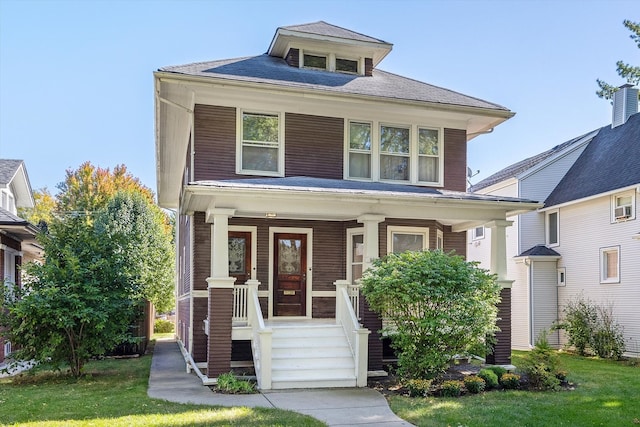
x=625, y=104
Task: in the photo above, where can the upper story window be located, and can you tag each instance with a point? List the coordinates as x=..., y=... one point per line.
x=623, y=206
x=553, y=238
x=260, y=150
x=400, y=153
x=8, y=203
x=315, y=61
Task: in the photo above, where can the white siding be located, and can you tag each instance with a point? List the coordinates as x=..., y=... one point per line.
x=544, y=299
x=520, y=317
x=585, y=228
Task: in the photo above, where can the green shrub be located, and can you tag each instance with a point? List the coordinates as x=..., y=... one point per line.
x=437, y=305
x=474, y=384
x=541, y=365
x=608, y=340
x=451, y=388
x=498, y=370
x=489, y=377
x=510, y=381
x=418, y=387
x=228, y=383
x=161, y=326
x=561, y=374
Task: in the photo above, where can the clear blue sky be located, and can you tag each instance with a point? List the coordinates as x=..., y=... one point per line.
x=76, y=76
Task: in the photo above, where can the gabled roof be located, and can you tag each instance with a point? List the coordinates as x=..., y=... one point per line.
x=8, y=169
x=275, y=71
x=14, y=173
x=325, y=29
x=516, y=169
x=611, y=161
x=541, y=251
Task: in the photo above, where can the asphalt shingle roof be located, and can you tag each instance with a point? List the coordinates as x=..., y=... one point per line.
x=610, y=161
x=325, y=29
x=8, y=168
x=7, y=218
x=275, y=71
x=540, y=250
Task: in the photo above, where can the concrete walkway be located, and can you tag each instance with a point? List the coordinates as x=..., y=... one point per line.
x=362, y=407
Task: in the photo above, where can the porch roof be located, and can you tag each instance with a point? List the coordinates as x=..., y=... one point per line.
x=333, y=199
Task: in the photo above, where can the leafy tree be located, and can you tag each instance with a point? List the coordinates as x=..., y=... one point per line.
x=438, y=305
x=44, y=207
x=631, y=73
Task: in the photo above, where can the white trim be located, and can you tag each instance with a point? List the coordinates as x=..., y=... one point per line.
x=254, y=246
x=603, y=267
x=323, y=294
x=474, y=234
x=547, y=228
x=239, y=142
x=391, y=229
x=588, y=198
x=439, y=240
x=351, y=232
x=562, y=276
x=200, y=293
x=309, y=296
x=625, y=212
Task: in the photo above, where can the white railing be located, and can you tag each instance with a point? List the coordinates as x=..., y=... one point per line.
x=240, y=303
x=357, y=336
x=354, y=296
x=261, y=337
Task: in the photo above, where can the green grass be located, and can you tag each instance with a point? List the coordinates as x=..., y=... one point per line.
x=607, y=394
x=114, y=393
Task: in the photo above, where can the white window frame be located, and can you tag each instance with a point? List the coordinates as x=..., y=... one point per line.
x=346, y=58
x=348, y=151
x=397, y=229
x=562, y=276
x=551, y=244
x=351, y=233
x=240, y=143
x=439, y=240
x=326, y=56
x=413, y=155
x=604, y=276
x=630, y=209
x=475, y=235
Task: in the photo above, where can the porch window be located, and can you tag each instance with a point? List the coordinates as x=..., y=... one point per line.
x=552, y=229
x=623, y=207
x=261, y=150
x=610, y=264
x=359, y=150
x=401, y=239
x=357, y=257
x=394, y=153
x=439, y=240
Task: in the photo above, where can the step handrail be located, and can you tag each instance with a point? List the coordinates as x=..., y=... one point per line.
x=357, y=336
x=260, y=337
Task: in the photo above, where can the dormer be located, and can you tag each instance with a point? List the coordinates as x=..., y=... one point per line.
x=322, y=46
x=15, y=189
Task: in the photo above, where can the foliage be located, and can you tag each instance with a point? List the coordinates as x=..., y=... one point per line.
x=489, y=377
x=438, y=305
x=592, y=326
x=474, y=384
x=451, y=388
x=498, y=370
x=629, y=72
x=43, y=210
x=510, y=381
x=542, y=365
x=228, y=383
x=418, y=387
x=161, y=326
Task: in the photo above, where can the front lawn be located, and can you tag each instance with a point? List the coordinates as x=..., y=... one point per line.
x=607, y=394
x=114, y=393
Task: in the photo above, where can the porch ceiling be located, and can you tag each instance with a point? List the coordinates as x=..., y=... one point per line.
x=338, y=200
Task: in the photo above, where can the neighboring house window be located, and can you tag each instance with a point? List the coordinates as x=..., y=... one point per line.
x=359, y=150
x=623, y=206
x=552, y=229
x=399, y=153
x=261, y=151
x=400, y=239
x=562, y=276
x=610, y=264
x=439, y=240
x=346, y=65
x=478, y=233
x=315, y=61
x=8, y=202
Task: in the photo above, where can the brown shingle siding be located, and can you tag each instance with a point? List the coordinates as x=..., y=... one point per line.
x=214, y=142
x=502, y=351
x=455, y=159
x=219, y=345
x=293, y=57
x=201, y=251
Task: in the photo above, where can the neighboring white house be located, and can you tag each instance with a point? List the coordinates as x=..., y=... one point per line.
x=586, y=238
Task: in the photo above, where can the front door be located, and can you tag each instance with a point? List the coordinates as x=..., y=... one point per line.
x=290, y=279
x=240, y=256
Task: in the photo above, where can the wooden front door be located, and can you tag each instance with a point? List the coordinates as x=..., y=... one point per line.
x=240, y=256
x=290, y=278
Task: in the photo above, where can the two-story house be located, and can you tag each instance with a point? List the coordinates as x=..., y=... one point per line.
x=17, y=236
x=293, y=170
x=585, y=242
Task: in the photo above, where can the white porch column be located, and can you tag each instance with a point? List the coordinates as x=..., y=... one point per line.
x=219, y=243
x=371, y=239
x=499, y=250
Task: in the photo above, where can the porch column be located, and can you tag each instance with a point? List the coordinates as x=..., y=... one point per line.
x=502, y=350
x=220, y=309
x=371, y=320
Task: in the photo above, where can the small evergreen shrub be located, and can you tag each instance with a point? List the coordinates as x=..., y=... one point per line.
x=418, y=387
x=161, y=326
x=498, y=370
x=489, y=377
x=542, y=364
x=474, y=384
x=228, y=383
x=510, y=381
x=451, y=388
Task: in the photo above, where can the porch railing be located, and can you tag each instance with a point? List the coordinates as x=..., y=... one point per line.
x=240, y=303
x=354, y=296
x=261, y=342
x=357, y=336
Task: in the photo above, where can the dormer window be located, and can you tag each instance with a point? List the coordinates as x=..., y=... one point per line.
x=346, y=65
x=315, y=61
x=330, y=62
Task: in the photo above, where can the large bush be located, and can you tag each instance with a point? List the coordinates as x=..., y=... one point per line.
x=437, y=305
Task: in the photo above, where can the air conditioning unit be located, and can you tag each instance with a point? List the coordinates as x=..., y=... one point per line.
x=622, y=212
